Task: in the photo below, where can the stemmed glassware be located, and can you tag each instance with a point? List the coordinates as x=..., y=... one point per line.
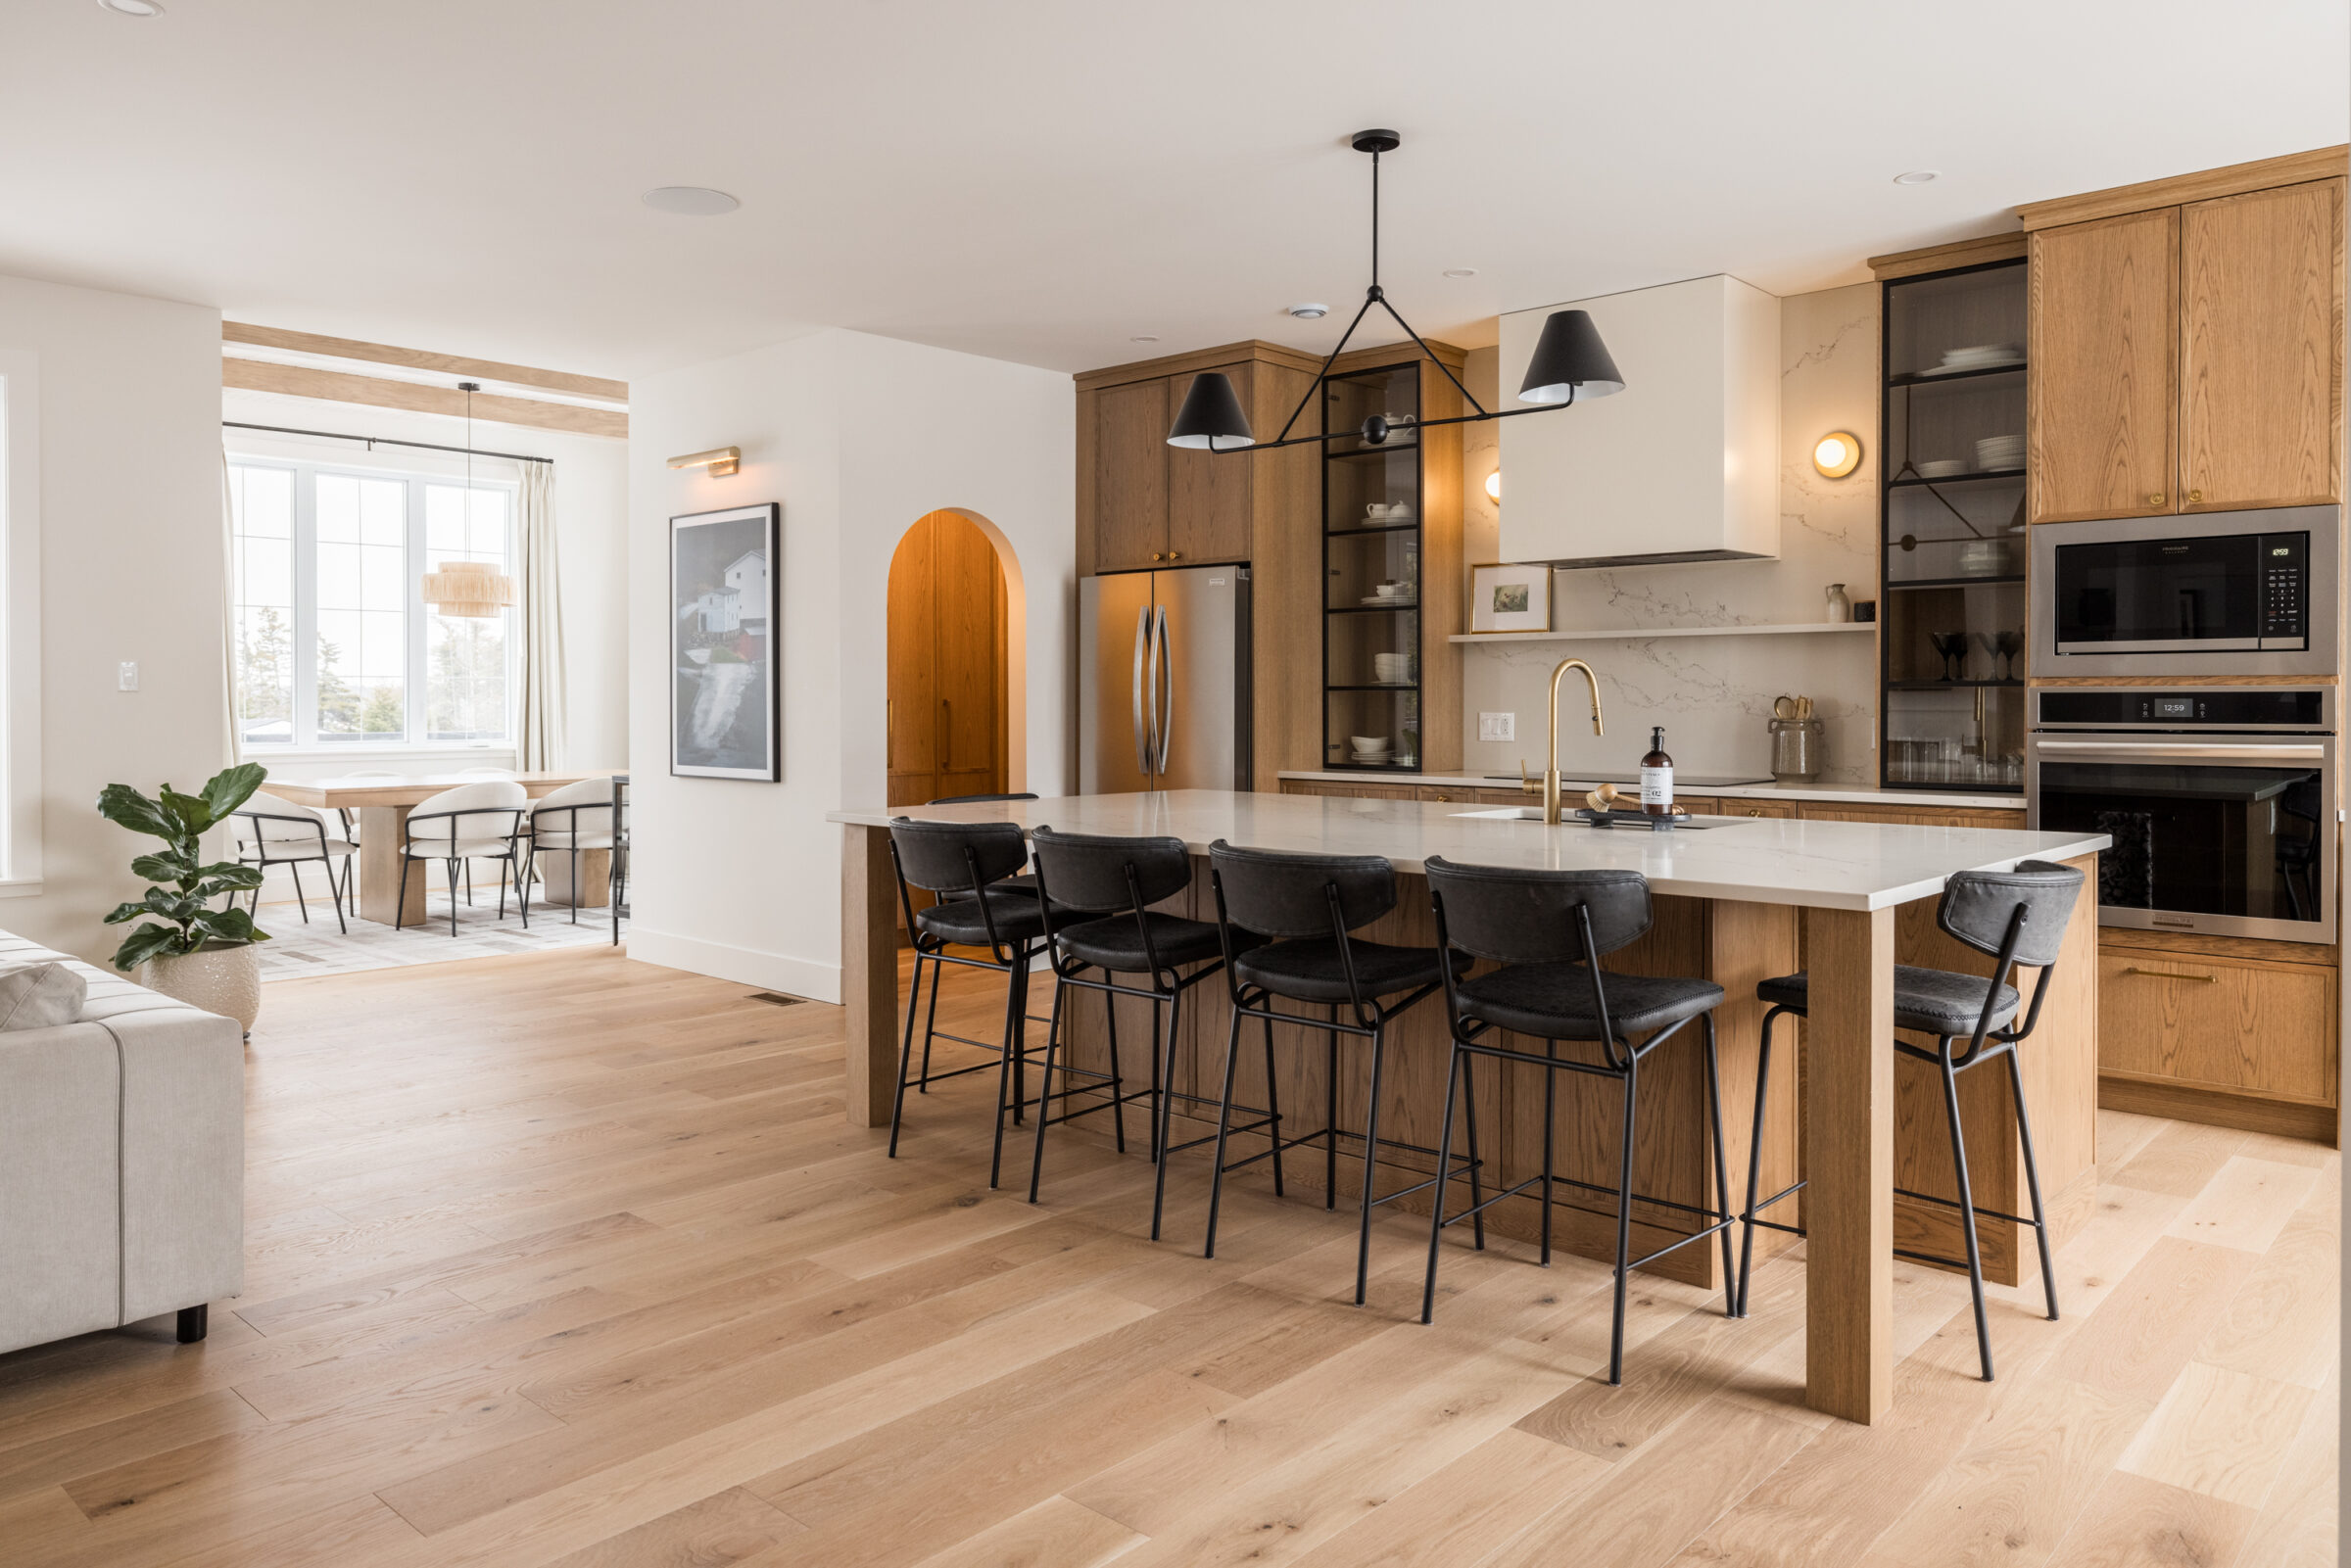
x=1952, y=646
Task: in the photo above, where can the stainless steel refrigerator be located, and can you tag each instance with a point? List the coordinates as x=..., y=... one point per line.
x=1162, y=680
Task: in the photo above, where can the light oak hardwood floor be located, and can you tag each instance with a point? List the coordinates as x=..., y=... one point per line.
x=567, y=1259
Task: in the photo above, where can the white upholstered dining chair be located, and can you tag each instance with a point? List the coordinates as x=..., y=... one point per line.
x=571, y=820
x=271, y=830
x=481, y=820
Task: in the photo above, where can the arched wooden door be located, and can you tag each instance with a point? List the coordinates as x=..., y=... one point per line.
x=948, y=663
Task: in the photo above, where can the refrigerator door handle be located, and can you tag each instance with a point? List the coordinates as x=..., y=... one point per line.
x=1142, y=647
x=1164, y=716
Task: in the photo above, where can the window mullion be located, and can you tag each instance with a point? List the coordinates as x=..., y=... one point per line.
x=305, y=606
x=413, y=575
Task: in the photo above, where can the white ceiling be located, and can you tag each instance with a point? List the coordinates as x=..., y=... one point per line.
x=1042, y=180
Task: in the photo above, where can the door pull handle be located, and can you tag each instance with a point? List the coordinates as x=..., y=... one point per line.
x=2173, y=974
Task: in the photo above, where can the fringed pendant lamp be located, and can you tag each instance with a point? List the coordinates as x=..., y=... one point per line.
x=474, y=590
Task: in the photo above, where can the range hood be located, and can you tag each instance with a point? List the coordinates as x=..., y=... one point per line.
x=1681, y=466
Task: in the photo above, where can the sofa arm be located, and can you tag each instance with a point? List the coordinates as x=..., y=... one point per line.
x=61, y=1242
x=183, y=1158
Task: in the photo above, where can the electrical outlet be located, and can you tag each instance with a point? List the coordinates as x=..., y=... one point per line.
x=127, y=676
x=1498, y=727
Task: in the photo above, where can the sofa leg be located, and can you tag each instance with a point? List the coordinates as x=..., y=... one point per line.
x=192, y=1323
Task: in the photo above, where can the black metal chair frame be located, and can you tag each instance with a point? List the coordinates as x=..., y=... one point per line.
x=620, y=853
x=571, y=830
x=1983, y=1045
x=1371, y=1022
x=1071, y=973
x=1007, y=958
x=509, y=860
x=263, y=858
x=1624, y=1064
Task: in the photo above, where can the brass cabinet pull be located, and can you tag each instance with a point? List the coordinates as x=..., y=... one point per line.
x=2155, y=500
x=1174, y=555
x=1442, y=796
x=890, y=735
x=1155, y=555
x=947, y=745
x=2173, y=974
x=1754, y=811
x=2195, y=495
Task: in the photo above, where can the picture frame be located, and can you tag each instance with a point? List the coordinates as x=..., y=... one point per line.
x=726, y=709
x=1505, y=598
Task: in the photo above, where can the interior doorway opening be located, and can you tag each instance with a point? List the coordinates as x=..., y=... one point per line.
x=949, y=717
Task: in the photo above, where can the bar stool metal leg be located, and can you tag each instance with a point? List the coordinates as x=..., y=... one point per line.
x=1045, y=1094
x=1331, y=1113
x=1722, y=1178
x=2041, y=1221
x=1436, y=1215
x=1551, y=1089
x=1274, y=1105
x=1163, y=1110
x=1755, y=1159
x=1014, y=1009
x=1362, y=1248
x=1478, y=1196
x=1624, y=1222
x=1215, y=1182
x=914, y=1002
x=930, y=1023
x=1967, y=1208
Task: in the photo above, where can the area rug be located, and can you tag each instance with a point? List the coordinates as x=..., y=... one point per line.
x=297, y=952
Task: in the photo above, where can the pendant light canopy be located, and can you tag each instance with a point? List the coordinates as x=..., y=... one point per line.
x=1570, y=364
x=469, y=588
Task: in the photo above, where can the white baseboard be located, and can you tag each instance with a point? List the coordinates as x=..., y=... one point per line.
x=773, y=972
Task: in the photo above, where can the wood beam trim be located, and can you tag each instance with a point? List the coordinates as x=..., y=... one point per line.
x=1176, y=364
x=423, y=360
x=1959, y=252
x=336, y=386
x=2233, y=179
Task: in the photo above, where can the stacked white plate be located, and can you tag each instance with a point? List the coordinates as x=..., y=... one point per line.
x=2000, y=451
x=1369, y=749
x=1392, y=669
x=1942, y=468
x=1980, y=356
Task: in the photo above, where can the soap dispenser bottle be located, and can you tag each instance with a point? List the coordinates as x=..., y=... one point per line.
x=1657, y=775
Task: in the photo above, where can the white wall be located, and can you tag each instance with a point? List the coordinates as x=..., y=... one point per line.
x=1714, y=695
x=132, y=568
x=857, y=437
x=592, y=498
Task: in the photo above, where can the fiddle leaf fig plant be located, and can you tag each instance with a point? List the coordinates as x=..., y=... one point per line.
x=182, y=904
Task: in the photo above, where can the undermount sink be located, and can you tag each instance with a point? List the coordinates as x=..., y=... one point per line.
x=1535, y=814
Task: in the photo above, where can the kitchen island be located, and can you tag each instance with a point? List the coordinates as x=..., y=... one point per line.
x=1737, y=903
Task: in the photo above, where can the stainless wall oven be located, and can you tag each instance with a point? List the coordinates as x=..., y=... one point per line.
x=2203, y=594
x=2220, y=802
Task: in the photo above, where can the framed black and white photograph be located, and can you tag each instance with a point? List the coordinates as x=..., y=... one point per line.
x=1510, y=598
x=726, y=708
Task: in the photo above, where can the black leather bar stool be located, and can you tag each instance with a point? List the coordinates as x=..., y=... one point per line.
x=1549, y=929
x=964, y=864
x=1098, y=894
x=2018, y=917
x=1309, y=904
x=1025, y=879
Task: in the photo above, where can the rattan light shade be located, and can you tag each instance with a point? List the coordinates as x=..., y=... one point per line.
x=468, y=588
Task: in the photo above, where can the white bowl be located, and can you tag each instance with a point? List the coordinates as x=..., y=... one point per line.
x=1369, y=744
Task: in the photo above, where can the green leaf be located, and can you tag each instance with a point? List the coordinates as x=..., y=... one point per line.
x=145, y=943
x=231, y=787
x=125, y=807
x=231, y=926
x=226, y=874
x=124, y=912
x=188, y=810
x=166, y=867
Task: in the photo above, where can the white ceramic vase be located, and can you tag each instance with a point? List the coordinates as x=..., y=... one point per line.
x=226, y=981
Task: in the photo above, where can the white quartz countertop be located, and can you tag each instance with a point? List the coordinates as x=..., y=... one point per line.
x=1826, y=795
x=1763, y=860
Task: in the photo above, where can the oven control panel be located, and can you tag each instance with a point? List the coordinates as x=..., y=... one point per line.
x=2285, y=589
x=2304, y=709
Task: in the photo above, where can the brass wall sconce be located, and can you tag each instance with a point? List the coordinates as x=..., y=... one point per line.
x=718, y=461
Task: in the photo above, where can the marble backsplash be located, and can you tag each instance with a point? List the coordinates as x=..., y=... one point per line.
x=1713, y=695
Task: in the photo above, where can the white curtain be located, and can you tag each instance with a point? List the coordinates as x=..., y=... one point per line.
x=539, y=742
x=228, y=616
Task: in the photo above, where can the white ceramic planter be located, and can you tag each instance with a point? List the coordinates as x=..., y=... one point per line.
x=226, y=981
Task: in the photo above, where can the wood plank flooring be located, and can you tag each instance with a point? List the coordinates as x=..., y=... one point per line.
x=567, y=1259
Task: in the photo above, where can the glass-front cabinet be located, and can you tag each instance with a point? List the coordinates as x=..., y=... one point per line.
x=1371, y=573
x=1952, y=599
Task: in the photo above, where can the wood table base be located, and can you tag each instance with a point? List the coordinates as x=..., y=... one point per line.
x=1848, y=1123
x=381, y=832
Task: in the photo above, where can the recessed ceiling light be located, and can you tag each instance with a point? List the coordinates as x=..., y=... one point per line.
x=1919, y=177
x=1144, y=337
x=686, y=201
x=1309, y=310
x=132, y=8
x=1461, y=272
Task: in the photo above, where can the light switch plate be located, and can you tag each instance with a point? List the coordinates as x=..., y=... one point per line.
x=127, y=676
x=1498, y=727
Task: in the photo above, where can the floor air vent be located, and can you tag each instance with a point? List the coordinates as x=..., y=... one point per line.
x=778, y=999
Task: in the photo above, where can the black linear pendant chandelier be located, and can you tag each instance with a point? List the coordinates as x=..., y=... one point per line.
x=1570, y=364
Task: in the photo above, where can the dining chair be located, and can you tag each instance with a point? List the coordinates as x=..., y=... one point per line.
x=579, y=817
x=271, y=830
x=480, y=821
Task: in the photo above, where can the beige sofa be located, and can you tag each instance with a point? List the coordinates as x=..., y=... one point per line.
x=122, y=1162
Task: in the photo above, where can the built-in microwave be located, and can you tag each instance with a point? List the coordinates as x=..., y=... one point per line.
x=2204, y=594
x=2220, y=802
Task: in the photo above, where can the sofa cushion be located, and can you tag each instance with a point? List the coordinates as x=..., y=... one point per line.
x=39, y=995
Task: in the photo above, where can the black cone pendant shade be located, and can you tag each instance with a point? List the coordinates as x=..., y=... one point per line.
x=1569, y=364
x=1211, y=418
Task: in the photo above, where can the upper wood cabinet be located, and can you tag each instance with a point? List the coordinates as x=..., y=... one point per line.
x=2261, y=332
x=2188, y=356
x=1208, y=492
x=1154, y=504
x=2102, y=386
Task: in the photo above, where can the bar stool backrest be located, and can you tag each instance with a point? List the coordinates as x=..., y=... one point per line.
x=1088, y=871
x=1289, y=895
x=1979, y=905
x=1516, y=916
x=940, y=857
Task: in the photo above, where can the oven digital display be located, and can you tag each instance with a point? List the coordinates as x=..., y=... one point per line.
x=2173, y=707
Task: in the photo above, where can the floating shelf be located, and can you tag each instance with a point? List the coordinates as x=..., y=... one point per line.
x=1644, y=634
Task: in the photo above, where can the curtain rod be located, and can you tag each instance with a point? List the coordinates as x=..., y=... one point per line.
x=385, y=440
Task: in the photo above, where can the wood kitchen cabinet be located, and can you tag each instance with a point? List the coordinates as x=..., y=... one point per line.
x=2187, y=343
x=1130, y=427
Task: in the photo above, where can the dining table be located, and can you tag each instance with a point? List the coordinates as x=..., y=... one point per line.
x=383, y=806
